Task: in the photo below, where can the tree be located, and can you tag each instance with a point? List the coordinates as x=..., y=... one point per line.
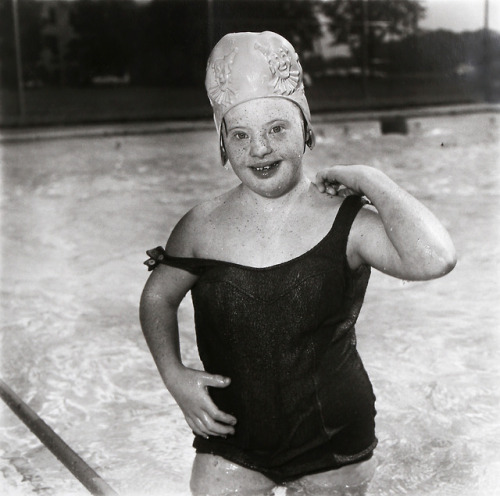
x=179, y=34
x=105, y=36
x=30, y=37
x=167, y=42
x=365, y=24
x=171, y=47
x=296, y=20
x=440, y=52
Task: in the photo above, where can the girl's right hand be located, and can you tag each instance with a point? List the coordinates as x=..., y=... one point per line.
x=190, y=391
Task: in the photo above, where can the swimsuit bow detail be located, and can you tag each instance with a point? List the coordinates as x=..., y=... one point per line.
x=156, y=256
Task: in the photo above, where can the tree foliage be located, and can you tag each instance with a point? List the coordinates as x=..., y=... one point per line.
x=104, y=36
x=366, y=24
x=30, y=22
x=168, y=41
x=383, y=19
x=441, y=52
x=296, y=20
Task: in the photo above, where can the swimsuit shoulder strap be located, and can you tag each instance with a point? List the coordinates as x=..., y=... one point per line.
x=344, y=219
x=158, y=256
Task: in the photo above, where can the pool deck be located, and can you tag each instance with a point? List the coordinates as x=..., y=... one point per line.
x=138, y=128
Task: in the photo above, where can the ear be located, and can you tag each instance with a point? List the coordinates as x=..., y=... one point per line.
x=310, y=139
x=222, y=148
x=308, y=135
x=223, y=154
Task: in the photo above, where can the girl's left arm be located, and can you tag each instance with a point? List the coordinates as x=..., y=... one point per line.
x=403, y=238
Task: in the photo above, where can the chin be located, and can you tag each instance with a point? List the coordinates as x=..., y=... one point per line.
x=272, y=187
x=273, y=192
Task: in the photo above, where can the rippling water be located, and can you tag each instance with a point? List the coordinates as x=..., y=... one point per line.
x=77, y=217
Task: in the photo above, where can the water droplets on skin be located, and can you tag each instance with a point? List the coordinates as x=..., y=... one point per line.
x=75, y=229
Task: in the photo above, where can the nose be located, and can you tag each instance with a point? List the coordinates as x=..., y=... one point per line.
x=260, y=147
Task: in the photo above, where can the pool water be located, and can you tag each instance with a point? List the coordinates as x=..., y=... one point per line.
x=77, y=217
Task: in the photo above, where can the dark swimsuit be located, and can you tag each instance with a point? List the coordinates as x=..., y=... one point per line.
x=285, y=336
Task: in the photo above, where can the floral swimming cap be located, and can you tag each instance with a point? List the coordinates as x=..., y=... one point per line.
x=246, y=66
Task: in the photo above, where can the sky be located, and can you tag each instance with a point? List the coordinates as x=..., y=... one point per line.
x=460, y=15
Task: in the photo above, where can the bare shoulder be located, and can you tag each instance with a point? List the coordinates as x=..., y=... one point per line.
x=191, y=230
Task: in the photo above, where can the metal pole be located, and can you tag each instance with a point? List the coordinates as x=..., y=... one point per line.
x=19, y=62
x=60, y=45
x=78, y=467
x=364, y=47
x=210, y=27
x=487, y=54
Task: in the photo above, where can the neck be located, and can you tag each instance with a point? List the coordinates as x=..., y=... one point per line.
x=273, y=203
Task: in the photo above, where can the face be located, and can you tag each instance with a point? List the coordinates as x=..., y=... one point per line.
x=264, y=141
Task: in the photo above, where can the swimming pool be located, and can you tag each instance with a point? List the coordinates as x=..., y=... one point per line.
x=78, y=215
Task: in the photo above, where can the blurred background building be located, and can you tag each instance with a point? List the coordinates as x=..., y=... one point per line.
x=86, y=61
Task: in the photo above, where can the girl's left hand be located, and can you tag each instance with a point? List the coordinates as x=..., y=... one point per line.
x=341, y=180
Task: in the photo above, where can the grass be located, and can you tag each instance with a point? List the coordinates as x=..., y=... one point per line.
x=69, y=105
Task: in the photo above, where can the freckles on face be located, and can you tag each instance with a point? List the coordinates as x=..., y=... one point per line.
x=261, y=128
x=264, y=141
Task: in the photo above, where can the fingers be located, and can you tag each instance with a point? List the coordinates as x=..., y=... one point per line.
x=343, y=192
x=218, y=381
x=326, y=183
x=320, y=185
x=207, y=420
x=223, y=417
x=193, y=426
x=211, y=408
x=206, y=425
x=326, y=176
x=332, y=189
x=214, y=428
x=320, y=182
x=198, y=427
x=217, y=421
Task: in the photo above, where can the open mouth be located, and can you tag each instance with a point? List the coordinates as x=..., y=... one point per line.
x=265, y=170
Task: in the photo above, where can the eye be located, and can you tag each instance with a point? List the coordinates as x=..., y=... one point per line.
x=277, y=129
x=240, y=135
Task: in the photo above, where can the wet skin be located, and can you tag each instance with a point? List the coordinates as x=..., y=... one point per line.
x=215, y=476
x=264, y=141
x=273, y=216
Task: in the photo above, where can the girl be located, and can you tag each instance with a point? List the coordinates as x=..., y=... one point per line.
x=278, y=271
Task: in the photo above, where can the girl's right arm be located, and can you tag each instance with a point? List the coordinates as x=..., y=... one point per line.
x=160, y=300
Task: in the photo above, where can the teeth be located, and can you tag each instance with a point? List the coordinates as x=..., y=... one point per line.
x=265, y=168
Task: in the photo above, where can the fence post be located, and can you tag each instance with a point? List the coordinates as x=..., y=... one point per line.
x=486, y=72
x=19, y=62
